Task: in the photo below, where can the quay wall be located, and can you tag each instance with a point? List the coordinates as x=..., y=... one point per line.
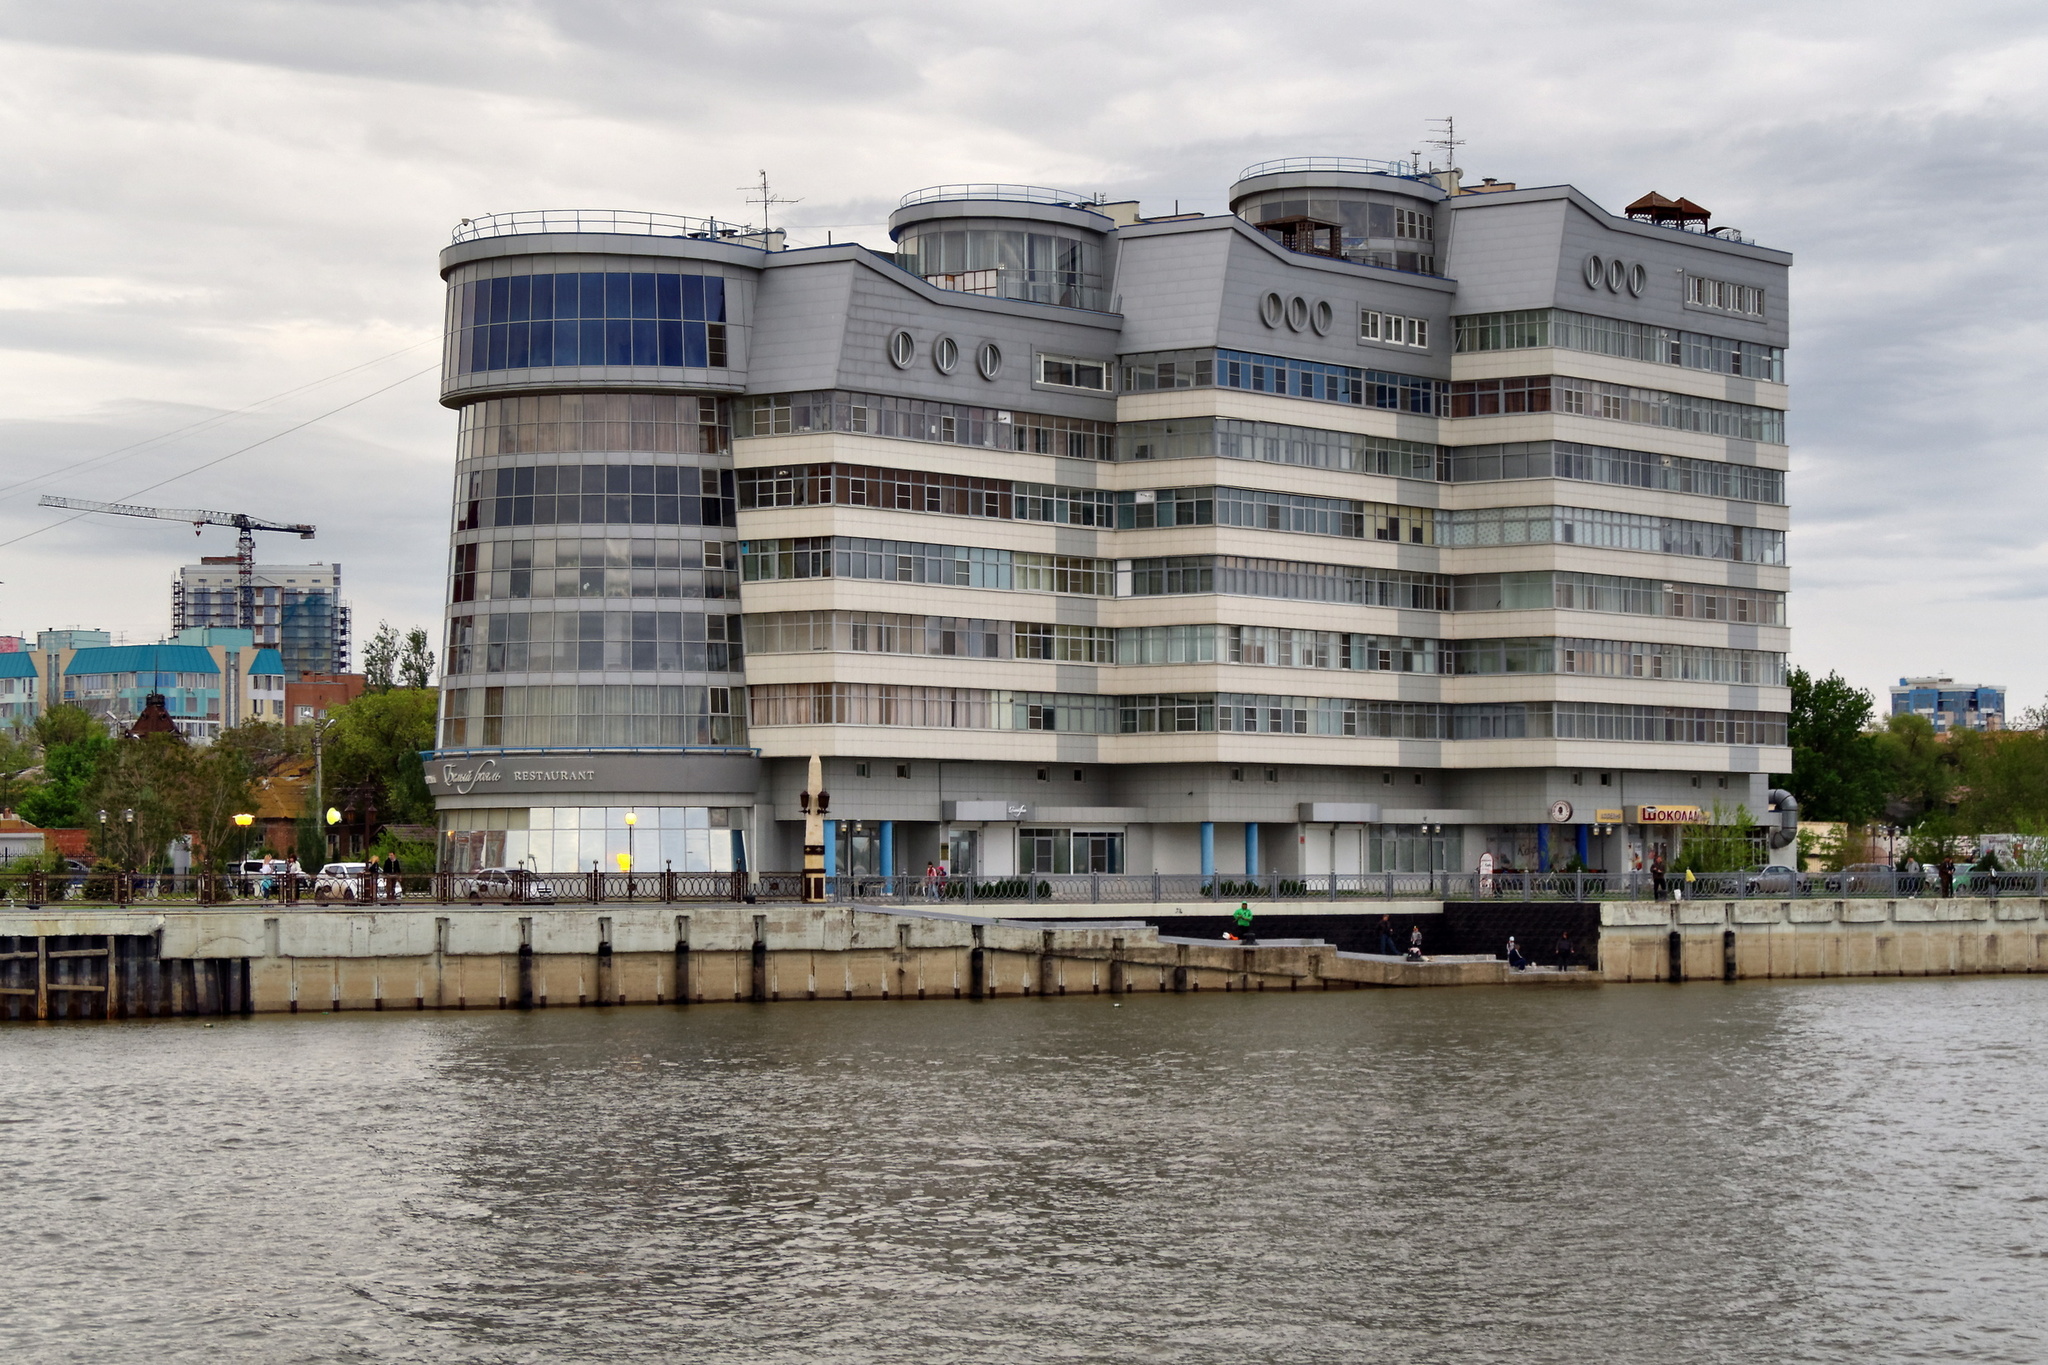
x=1738, y=940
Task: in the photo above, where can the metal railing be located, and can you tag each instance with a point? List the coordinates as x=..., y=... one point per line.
x=170, y=890
x=1347, y=165
x=1015, y=194
x=631, y=222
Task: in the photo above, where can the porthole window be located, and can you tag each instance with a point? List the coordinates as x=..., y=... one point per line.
x=902, y=349
x=1322, y=317
x=1616, y=272
x=989, y=360
x=946, y=355
x=1638, y=280
x=1297, y=313
x=1596, y=271
x=1270, y=309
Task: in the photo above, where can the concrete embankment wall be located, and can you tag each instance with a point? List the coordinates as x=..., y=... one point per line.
x=136, y=964
x=1732, y=940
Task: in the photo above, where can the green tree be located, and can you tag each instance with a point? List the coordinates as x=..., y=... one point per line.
x=416, y=667
x=18, y=758
x=1919, y=773
x=375, y=746
x=380, y=659
x=1837, y=772
x=1727, y=842
x=74, y=744
x=147, y=776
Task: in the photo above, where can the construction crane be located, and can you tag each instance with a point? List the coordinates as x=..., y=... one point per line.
x=245, y=541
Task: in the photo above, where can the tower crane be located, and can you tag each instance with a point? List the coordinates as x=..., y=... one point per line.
x=245, y=540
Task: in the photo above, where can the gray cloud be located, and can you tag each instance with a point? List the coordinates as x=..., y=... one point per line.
x=217, y=201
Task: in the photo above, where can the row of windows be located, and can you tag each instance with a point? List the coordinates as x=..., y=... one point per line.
x=1614, y=659
x=1746, y=299
x=641, y=715
x=1610, y=531
x=1532, y=327
x=539, y=641
x=1007, y=263
x=1393, y=329
x=1242, y=576
x=589, y=318
x=516, y=570
x=874, y=632
x=1606, y=464
x=571, y=423
x=1274, y=647
x=1616, y=403
x=1195, y=438
x=898, y=561
x=1545, y=590
x=1290, y=378
x=593, y=495
x=917, y=419
x=149, y=682
x=970, y=708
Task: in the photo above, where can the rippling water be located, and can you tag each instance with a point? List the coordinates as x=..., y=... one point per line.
x=1759, y=1172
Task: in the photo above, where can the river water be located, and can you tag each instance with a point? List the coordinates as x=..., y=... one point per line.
x=1845, y=1171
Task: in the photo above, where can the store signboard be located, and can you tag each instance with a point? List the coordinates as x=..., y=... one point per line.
x=1667, y=815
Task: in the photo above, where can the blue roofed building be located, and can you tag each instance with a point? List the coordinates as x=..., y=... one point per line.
x=207, y=676
x=17, y=691
x=1949, y=705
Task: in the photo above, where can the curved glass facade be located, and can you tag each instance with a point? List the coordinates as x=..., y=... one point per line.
x=1041, y=267
x=608, y=317
x=1394, y=231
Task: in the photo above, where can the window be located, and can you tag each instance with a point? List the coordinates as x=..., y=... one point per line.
x=1387, y=778
x=580, y=714
x=1078, y=776
x=1272, y=774
x=1237, y=774
x=1226, y=438
x=1610, y=530
x=917, y=419
x=592, y=318
x=860, y=770
x=1066, y=372
x=1745, y=300
x=1288, y=378
x=1045, y=774
x=1038, y=267
x=593, y=495
x=903, y=770
x=1617, y=403
x=1606, y=464
x=1611, y=336
x=1393, y=330
x=1414, y=225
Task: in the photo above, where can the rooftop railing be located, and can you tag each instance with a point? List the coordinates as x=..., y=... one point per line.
x=631, y=222
x=1348, y=165
x=1015, y=194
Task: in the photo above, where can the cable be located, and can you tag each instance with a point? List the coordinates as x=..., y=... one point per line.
x=230, y=455
x=90, y=461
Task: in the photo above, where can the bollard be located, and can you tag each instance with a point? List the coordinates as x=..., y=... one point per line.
x=525, y=963
x=1676, y=972
x=760, y=963
x=682, y=959
x=1727, y=954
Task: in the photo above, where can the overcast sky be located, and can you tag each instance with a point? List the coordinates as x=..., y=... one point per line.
x=216, y=203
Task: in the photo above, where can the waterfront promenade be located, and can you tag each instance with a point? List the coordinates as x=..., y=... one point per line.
x=82, y=961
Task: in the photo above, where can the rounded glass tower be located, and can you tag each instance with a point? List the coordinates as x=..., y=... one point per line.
x=593, y=704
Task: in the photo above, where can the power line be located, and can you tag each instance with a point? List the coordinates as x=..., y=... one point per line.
x=299, y=426
x=189, y=427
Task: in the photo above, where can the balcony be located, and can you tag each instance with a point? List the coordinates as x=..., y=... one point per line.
x=631, y=222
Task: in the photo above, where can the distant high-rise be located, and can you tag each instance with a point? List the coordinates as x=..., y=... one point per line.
x=299, y=611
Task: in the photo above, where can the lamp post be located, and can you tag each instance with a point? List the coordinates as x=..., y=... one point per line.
x=632, y=819
x=333, y=819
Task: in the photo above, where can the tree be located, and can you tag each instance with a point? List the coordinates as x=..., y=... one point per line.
x=1837, y=772
x=18, y=757
x=380, y=659
x=216, y=789
x=375, y=746
x=74, y=744
x=416, y=668
x=1725, y=843
x=1918, y=771
x=147, y=776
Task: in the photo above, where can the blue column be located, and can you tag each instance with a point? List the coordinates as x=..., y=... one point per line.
x=1251, y=848
x=831, y=848
x=1208, y=848
x=889, y=848
x=1543, y=848
x=1584, y=860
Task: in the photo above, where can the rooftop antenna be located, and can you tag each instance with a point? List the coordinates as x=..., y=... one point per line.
x=765, y=199
x=1447, y=142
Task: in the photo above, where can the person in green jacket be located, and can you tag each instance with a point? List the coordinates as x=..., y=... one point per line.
x=1243, y=916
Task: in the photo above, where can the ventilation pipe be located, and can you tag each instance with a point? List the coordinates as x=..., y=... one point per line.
x=1787, y=806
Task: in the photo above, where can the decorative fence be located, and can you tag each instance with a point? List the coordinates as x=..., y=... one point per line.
x=35, y=889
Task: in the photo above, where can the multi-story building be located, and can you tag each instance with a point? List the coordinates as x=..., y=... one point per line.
x=299, y=611
x=1378, y=524
x=207, y=676
x=1950, y=706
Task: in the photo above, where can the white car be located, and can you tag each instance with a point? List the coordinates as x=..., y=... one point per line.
x=342, y=881
x=505, y=884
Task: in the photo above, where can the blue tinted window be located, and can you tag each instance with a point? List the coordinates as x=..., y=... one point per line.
x=611, y=318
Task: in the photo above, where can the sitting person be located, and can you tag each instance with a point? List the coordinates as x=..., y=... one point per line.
x=1515, y=957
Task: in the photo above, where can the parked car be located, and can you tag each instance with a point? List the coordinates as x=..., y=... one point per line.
x=505, y=884
x=1864, y=879
x=1770, y=879
x=341, y=881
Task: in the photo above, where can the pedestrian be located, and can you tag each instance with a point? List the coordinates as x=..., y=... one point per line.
x=1486, y=874
x=269, y=875
x=931, y=881
x=391, y=875
x=1657, y=874
x=1564, y=951
x=1387, y=945
x=1678, y=895
x=1243, y=918
x=1514, y=955
x=1415, y=944
x=1948, y=876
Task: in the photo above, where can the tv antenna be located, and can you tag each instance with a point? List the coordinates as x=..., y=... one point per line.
x=1447, y=142
x=765, y=199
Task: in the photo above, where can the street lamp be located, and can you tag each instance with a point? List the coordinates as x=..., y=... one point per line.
x=632, y=819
